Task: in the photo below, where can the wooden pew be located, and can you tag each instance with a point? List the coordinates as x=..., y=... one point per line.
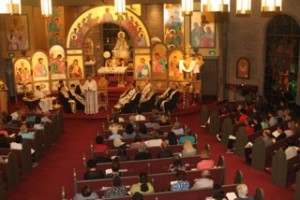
x=297, y=192
x=10, y=171
x=131, y=152
x=23, y=156
x=161, y=182
x=262, y=156
x=37, y=143
x=151, y=166
x=242, y=138
x=284, y=171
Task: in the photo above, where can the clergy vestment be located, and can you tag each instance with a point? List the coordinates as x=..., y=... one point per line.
x=91, y=97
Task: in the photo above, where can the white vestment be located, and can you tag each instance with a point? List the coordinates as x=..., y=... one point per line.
x=91, y=97
x=45, y=103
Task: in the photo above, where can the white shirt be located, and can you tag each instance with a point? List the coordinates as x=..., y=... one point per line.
x=14, y=115
x=18, y=146
x=203, y=183
x=153, y=143
x=178, y=131
x=140, y=117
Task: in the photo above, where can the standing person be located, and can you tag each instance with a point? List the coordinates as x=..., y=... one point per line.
x=91, y=96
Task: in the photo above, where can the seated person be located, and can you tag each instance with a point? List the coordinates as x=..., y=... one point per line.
x=128, y=94
x=129, y=132
x=181, y=183
x=189, y=136
x=99, y=146
x=25, y=133
x=242, y=191
x=143, y=154
x=93, y=172
x=45, y=118
x=165, y=151
x=171, y=138
x=45, y=103
x=148, y=103
x=117, y=190
x=164, y=96
x=143, y=131
x=279, y=134
x=118, y=142
x=204, y=182
x=146, y=90
x=79, y=89
x=114, y=135
x=206, y=161
x=38, y=125
x=178, y=129
x=139, y=116
x=122, y=153
x=156, y=130
x=188, y=149
x=80, y=101
x=143, y=187
x=132, y=103
x=137, y=196
x=169, y=103
x=65, y=100
x=16, y=115
x=164, y=120
x=86, y=193
x=177, y=164
x=114, y=171
x=155, y=142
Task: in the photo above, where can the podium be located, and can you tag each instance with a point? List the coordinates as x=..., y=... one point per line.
x=3, y=100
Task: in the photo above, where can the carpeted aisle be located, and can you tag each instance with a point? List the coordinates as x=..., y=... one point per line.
x=56, y=167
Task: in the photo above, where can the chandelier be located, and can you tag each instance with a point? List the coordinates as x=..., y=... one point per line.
x=243, y=7
x=120, y=7
x=215, y=5
x=187, y=7
x=271, y=5
x=46, y=7
x=10, y=7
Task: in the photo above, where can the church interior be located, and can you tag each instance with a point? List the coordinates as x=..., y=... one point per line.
x=74, y=74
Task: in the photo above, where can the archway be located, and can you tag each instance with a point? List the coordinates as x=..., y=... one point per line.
x=282, y=59
x=104, y=15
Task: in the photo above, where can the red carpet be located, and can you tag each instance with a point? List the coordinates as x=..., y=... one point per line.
x=56, y=167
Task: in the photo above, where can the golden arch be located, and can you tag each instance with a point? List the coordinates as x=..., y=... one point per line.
x=105, y=14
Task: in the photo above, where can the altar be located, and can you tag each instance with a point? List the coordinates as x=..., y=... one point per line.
x=118, y=71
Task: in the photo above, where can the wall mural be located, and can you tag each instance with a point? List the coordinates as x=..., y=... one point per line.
x=17, y=34
x=55, y=27
x=173, y=21
x=174, y=73
x=142, y=66
x=106, y=14
x=40, y=70
x=203, y=30
x=22, y=73
x=57, y=63
x=159, y=64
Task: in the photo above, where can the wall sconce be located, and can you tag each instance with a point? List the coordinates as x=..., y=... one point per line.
x=215, y=5
x=243, y=7
x=10, y=7
x=120, y=7
x=271, y=5
x=187, y=7
x=46, y=7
